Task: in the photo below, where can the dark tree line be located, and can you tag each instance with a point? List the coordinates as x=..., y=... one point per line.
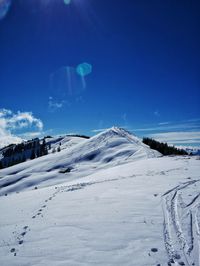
x=14, y=149
x=79, y=136
x=18, y=153
x=163, y=148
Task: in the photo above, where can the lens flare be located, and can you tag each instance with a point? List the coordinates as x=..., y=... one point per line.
x=84, y=69
x=65, y=82
x=67, y=2
x=4, y=8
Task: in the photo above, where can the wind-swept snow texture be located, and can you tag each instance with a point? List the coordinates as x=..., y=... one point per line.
x=137, y=210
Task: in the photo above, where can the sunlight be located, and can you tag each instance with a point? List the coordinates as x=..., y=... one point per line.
x=67, y=2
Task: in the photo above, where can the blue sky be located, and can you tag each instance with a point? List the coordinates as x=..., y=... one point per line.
x=145, y=60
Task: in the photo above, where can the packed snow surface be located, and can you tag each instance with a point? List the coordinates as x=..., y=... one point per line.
x=120, y=204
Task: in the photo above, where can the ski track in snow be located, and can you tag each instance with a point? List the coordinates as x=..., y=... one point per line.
x=106, y=155
x=179, y=244
x=182, y=225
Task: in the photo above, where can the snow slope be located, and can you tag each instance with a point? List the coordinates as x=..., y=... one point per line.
x=112, y=217
x=137, y=209
x=112, y=147
x=65, y=142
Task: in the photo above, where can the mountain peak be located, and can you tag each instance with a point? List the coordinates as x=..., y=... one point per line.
x=118, y=132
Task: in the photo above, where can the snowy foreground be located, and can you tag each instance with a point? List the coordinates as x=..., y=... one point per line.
x=135, y=209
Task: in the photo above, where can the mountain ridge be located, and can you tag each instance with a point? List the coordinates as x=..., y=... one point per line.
x=110, y=148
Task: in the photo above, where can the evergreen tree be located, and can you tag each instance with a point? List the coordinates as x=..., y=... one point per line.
x=59, y=147
x=38, y=153
x=163, y=147
x=43, y=148
x=23, y=158
x=32, y=154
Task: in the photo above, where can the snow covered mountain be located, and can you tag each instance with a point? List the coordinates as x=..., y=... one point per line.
x=31, y=149
x=79, y=157
x=107, y=200
x=193, y=151
x=64, y=142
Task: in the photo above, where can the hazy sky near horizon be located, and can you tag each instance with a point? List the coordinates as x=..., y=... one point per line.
x=81, y=66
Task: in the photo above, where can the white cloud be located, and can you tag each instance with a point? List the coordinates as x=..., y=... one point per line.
x=4, y=112
x=99, y=130
x=164, y=123
x=6, y=137
x=178, y=137
x=10, y=122
x=55, y=105
x=167, y=126
x=24, y=120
